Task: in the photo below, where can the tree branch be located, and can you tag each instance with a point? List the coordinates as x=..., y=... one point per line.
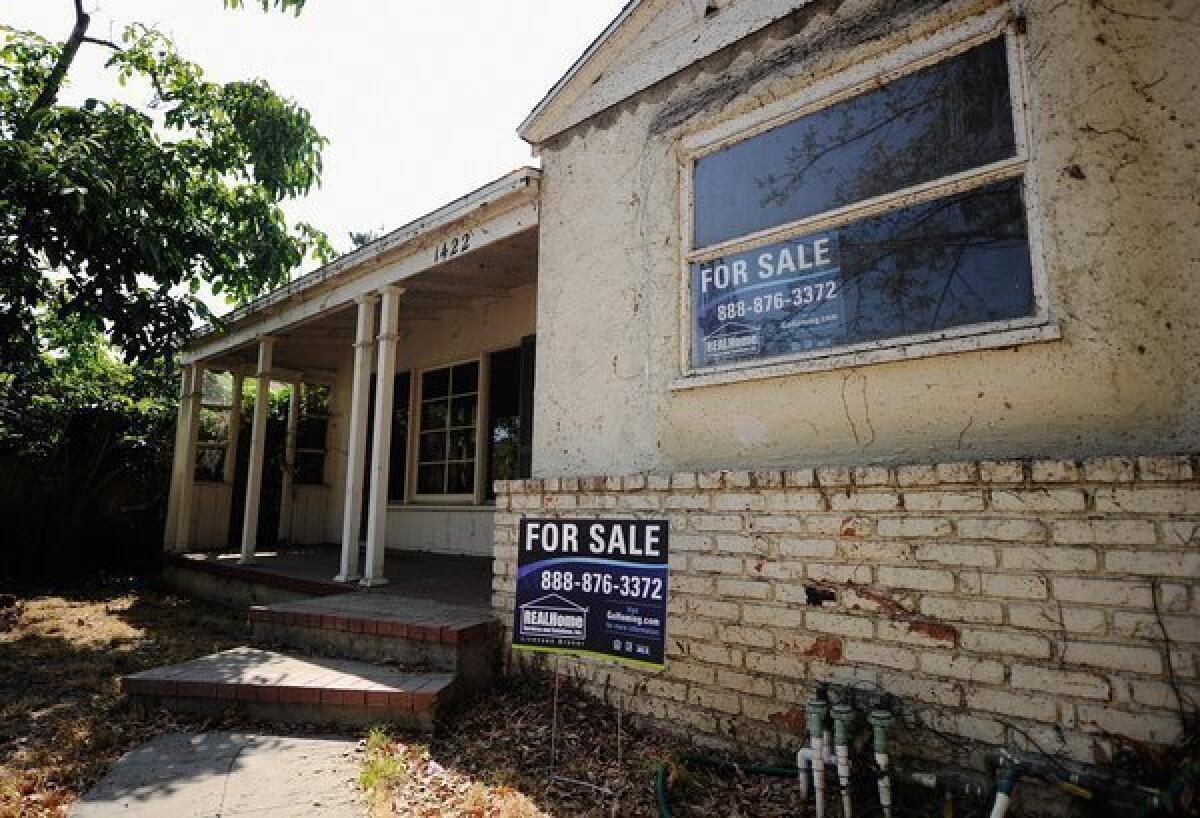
x=105, y=43
x=49, y=93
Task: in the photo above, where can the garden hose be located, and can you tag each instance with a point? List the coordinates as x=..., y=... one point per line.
x=660, y=791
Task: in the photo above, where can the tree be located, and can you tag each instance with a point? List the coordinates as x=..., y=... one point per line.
x=361, y=238
x=119, y=216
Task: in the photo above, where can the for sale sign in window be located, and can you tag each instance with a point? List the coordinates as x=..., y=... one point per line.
x=591, y=587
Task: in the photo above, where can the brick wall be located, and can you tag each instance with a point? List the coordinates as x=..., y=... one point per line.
x=1001, y=601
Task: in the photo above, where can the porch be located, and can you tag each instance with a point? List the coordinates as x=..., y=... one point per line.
x=390, y=389
x=298, y=573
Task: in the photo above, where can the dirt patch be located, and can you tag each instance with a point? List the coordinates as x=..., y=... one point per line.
x=62, y=718
x=493, y=760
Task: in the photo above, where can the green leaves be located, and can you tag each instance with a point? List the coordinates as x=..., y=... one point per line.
x=282, y=5
x=125, y=215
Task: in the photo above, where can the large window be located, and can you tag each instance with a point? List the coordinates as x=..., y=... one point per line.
x=890, y=214
x=446, y=444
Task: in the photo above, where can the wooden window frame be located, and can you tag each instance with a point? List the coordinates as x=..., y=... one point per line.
x=417, y=399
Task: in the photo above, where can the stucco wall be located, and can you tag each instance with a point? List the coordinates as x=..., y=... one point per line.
x=1113, y=113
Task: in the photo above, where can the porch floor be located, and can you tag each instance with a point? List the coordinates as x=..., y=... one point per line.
x=452, y=579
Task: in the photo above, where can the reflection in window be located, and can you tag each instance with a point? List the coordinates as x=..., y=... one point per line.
x=446, y=444
x=957, y=256
x=941, y=120
x=212, y=434
x=504, y=416
x=951, y=262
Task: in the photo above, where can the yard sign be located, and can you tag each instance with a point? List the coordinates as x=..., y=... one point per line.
x=591, y=587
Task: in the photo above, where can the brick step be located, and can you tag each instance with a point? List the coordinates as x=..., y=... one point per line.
x=382, y=627
x=280, y=687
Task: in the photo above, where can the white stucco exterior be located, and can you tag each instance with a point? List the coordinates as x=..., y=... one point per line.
x=1112, y=159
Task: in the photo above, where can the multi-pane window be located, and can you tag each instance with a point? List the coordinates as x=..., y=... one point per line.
x=895, y=213
x=311, y=434
x=448, y=419
x=212, y=433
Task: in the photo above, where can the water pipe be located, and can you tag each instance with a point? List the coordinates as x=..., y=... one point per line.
x=815, y=711
x=843, y=720
x=1008, y=782
x=660, y=791
x=880, y=721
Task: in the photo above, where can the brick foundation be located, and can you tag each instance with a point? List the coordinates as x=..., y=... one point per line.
x=1003, y=602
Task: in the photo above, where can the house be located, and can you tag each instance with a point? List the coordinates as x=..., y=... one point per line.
x=889, y=306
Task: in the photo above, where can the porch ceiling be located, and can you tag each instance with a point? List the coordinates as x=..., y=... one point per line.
x=318, y=344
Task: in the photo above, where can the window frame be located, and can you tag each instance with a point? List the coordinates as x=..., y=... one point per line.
x=828, y=91
x=218, y=444
x=221, y=444
x=301, y=416
x=417, y=397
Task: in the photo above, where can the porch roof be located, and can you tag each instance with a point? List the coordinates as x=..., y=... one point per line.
x=501, y=218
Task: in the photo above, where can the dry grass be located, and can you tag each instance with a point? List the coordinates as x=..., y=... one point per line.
x=492, y=760
x=62, y=718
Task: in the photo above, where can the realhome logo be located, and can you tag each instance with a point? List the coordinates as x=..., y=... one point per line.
x=552, y=616
x=731, y=341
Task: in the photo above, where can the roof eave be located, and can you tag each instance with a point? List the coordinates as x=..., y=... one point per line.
x=359, y=258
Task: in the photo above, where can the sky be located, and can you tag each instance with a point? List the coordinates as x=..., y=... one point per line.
x=420, y=99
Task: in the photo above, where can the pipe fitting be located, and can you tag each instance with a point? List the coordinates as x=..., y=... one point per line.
x=880, y=721
x=843, y=720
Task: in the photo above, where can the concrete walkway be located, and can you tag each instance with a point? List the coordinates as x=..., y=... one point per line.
x=219, y=775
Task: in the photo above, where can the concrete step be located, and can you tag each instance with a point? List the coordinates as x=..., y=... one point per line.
x=280, y=687
x=383, y=627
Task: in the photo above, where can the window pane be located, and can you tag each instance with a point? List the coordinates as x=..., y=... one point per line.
x=461, y=478
x=504, y=421
x=466, y=378
x=311, y=433
x=462, y=410
x=213, y=426
x=433, y=447
x=210, y=464
x=431, y=479
x=434, y=414
x=938, y=121
x=314, y=399
x=398, y=463
x=310, y=468
x=435, y=384
x=952, y=262
x=462, y=445
x=216, y=388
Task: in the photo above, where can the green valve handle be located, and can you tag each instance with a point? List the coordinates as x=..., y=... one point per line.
x=843, y=717
x=816, y=709
x=881, y=722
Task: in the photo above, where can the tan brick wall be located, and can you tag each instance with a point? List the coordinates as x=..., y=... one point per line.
x=1001, y=601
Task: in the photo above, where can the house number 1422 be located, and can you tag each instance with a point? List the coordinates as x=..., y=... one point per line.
x=452, y=247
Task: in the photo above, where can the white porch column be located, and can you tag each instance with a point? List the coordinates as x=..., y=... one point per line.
x=289, y=465
x=193, y=392
x=258, y=445
x=364, y=342
x=381, y=445
x=235, y=430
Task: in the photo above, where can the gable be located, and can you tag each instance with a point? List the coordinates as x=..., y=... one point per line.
x=647, y=42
